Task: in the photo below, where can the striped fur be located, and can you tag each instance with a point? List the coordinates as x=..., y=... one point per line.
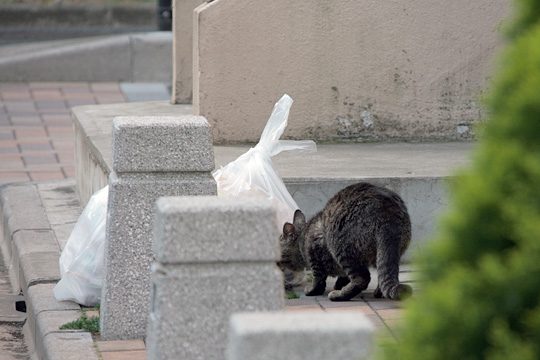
x=362, y=225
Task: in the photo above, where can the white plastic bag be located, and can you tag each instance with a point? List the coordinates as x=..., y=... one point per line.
x=81, y=262
x=253, y=175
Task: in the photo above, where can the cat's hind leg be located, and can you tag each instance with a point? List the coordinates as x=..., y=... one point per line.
x=359, y=280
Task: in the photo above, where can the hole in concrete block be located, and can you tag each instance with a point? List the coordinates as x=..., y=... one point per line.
x=20, y=306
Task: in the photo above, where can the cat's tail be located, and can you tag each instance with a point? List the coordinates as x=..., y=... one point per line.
x=389, y=252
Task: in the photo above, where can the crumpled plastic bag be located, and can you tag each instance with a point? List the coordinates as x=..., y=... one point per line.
x=253, y=175
x=81, y=262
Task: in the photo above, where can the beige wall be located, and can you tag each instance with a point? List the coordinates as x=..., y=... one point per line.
x=183, y=50
x=357, y=69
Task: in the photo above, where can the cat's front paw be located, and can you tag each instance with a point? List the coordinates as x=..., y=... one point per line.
x=405, y=291
x=338, y=295
x=341, y=282
x=401, y=292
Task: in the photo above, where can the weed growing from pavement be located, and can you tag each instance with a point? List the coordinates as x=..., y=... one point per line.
x=90, y=324
x=291, y=295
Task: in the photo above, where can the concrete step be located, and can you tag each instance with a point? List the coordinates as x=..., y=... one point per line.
x=137, y=57
x=418, y=172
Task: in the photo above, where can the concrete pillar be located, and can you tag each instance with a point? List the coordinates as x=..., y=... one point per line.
x=152, y=157
x=299, y=336
x=214, y=257
x=357, y=70
x=182, y=88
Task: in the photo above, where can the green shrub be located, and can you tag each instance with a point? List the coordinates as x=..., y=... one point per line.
x=481, y=290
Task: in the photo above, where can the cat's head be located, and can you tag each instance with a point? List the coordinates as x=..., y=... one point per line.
x=291, y=254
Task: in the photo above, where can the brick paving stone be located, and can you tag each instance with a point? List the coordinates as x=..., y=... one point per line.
x=14, y=95
x=46, y=175
x=120, y=345
x=11, y=163
x=304, y=308
x=124, y=355
x=13, y=176
x=75, y=98
x=35, y=146
x=22, y=104
x=42, y=159
x=108, y=86
x=63, y=144
x=376, y=321
x=77, y=92
x=46, y=85
x=36, y=128
x=8, y=150
x=13, y=86
x=60, y=131
x=110, y=99
x=9, y=143
x=390, y=314
x=69, y=171
x=30, y=133
x=380, y=304
x=80, y=102
x=55, y=111
x=59, y=119
x=4, y=120
x=66, y=157
x=6, y=135
x=364, y=309
x=28, y=120
x=302, y=301
x=50, y=104
x=47, y=95
x=327, y=304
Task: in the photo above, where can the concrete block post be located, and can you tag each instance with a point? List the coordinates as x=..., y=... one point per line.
x=152, y=157
x=214, y=257
x=299, y=336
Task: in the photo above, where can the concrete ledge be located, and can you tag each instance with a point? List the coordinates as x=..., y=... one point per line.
x=130, y=57
x=93, y=139
x=417, y=172
x=33, y=265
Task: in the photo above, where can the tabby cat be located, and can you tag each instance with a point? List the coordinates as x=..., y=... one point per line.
x=362, y=225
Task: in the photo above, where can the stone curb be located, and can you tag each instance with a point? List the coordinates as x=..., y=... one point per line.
x=33, y=267
x=132, y=57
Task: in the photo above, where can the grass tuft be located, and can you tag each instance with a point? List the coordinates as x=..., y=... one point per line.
x=90, y=324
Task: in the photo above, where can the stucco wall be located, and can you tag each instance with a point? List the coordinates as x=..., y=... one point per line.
x=183, y=50
x=357, y=69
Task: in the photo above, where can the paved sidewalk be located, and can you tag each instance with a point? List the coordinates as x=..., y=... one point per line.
x=36, y=133
x=36, y=144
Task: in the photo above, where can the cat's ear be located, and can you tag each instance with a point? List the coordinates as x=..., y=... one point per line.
x=299, y=219
x=288, y=229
